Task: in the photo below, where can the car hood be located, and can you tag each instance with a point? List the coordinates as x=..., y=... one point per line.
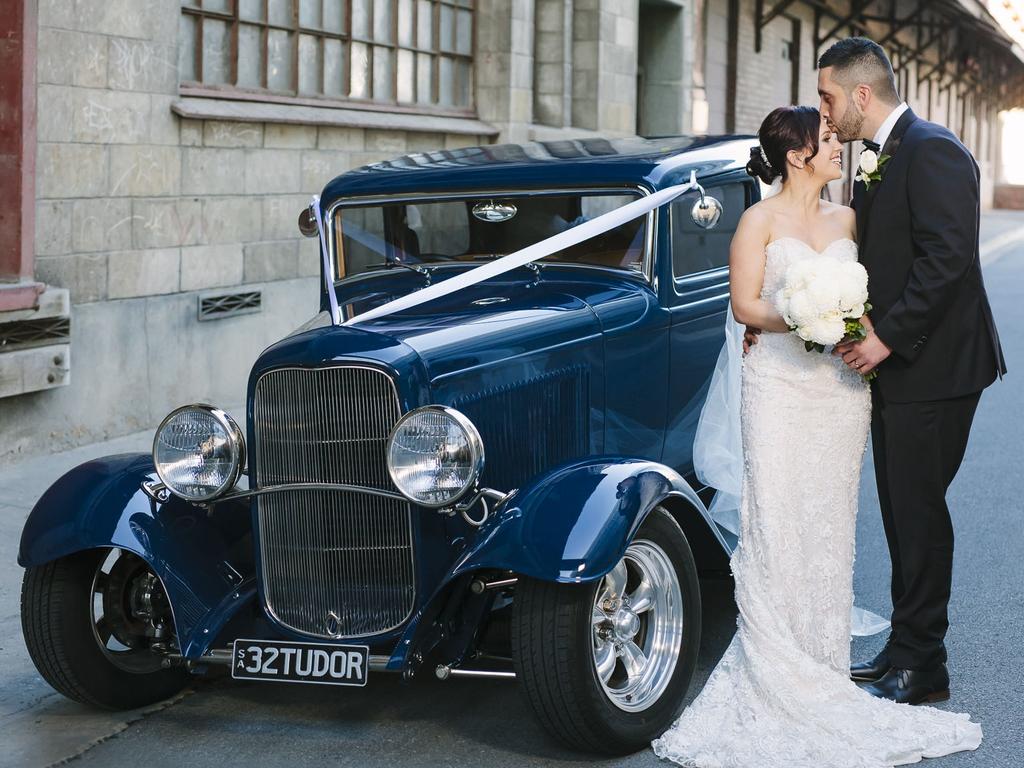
x=489, y=322
x=476, y=326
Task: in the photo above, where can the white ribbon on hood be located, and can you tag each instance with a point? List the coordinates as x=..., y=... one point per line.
x=559, y=242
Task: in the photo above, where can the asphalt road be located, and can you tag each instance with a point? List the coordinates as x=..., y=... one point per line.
x=430, y=723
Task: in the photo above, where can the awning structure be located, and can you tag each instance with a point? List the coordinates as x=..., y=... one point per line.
x=955, y=44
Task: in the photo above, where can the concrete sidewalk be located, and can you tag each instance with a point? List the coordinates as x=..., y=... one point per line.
x=38, y=726
x=1001, y=232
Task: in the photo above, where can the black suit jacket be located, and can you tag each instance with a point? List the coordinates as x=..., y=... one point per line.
x=918, y=234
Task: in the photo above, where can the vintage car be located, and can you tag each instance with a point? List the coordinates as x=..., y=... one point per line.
x=355, y=527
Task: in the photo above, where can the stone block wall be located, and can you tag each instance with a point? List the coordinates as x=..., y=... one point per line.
x=140, y=211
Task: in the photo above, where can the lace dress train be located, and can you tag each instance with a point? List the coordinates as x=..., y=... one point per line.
x=781, y=696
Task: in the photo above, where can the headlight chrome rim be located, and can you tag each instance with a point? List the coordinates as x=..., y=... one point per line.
x=236, y=441
x=476, y=447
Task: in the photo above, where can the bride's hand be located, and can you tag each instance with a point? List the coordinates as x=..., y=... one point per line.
x=844, y=344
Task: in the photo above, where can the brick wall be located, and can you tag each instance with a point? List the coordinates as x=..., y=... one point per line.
x=759, y=75
x=763, y=76
x=1009, y=196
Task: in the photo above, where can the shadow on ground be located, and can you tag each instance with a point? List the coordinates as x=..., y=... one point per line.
x=426, y=722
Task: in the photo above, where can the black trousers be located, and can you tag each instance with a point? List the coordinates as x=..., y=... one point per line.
x=918, y=448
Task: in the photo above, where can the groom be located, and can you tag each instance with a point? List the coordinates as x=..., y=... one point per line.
x=934, y=344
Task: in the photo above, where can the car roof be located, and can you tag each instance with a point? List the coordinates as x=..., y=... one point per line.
x=653, y=162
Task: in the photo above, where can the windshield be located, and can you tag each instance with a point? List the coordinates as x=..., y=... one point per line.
x=477, y=229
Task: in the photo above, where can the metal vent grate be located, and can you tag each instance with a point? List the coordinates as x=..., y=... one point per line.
x=34, y=333
x=529, y=426
x=222, y=305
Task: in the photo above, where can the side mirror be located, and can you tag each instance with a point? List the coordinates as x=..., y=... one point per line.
x=706, y=212
x=307, y=223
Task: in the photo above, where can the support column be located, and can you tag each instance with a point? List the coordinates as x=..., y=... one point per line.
x=605, y=66
x=552, y=63
x=667, y=66
x=17, y=155
x=504, y=67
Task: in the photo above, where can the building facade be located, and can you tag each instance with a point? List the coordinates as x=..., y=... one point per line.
x=162, y=149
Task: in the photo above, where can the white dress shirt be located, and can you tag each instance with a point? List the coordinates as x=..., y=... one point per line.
x=882, y=135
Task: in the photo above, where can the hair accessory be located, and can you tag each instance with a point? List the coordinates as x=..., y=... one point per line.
x=765, y=158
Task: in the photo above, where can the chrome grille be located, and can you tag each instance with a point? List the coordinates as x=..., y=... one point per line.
x=333, y=563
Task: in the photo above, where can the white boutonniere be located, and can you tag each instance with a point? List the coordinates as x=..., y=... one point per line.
x=871, y=167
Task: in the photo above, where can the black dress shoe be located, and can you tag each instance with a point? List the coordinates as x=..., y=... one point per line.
x=913, y=686
x=870, y=671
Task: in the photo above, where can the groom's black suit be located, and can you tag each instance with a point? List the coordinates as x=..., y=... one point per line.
x=918, y=235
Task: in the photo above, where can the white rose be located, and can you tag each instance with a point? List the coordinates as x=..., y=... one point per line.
x=868, y=161
x=824, y=293
x=853, y=288
x=854, y=273
x=827, y=331
x=801, y=310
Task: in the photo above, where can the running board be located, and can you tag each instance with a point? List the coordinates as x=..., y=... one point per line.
x=444, y=672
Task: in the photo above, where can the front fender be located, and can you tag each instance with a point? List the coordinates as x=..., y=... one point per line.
x=199, y=557
x=573, y=524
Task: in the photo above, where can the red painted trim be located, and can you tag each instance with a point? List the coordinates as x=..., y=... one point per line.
x=20, y=296
x=18, y=153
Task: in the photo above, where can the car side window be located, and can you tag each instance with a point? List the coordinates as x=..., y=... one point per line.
x=695, y=249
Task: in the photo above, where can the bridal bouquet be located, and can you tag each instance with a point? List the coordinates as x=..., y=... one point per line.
x=823, y=299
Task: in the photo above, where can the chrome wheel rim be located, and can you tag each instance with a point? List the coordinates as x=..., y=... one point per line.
x=637, y=627
x=121, y=584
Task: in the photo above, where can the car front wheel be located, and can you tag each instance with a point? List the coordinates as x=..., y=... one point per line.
x=605, y=665
x=94, y=623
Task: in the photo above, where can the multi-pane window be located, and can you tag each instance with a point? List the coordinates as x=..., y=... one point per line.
x=407, y=52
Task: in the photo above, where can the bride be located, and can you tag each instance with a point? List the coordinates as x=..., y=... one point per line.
x=781, y=695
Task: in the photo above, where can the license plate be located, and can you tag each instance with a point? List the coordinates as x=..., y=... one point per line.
x=300, y=662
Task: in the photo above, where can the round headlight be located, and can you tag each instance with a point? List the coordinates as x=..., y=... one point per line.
x=199, y=452
x=435, y=455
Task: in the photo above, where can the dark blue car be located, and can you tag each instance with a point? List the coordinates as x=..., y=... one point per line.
x=494, y=483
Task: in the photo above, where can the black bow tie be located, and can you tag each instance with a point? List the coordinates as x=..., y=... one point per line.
x=871, y=145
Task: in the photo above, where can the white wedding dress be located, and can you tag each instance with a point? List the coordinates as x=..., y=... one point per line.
x=781, y=696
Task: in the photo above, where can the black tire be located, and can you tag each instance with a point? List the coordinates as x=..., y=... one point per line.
x=553, y=654
x=57, y=623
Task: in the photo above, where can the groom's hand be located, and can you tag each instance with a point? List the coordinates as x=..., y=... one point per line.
x=863, y=356
x=750, y=337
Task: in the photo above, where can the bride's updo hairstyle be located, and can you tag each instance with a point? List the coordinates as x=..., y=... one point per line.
x=785, y=129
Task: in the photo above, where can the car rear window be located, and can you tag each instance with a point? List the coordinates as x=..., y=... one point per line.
x=480, y=229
